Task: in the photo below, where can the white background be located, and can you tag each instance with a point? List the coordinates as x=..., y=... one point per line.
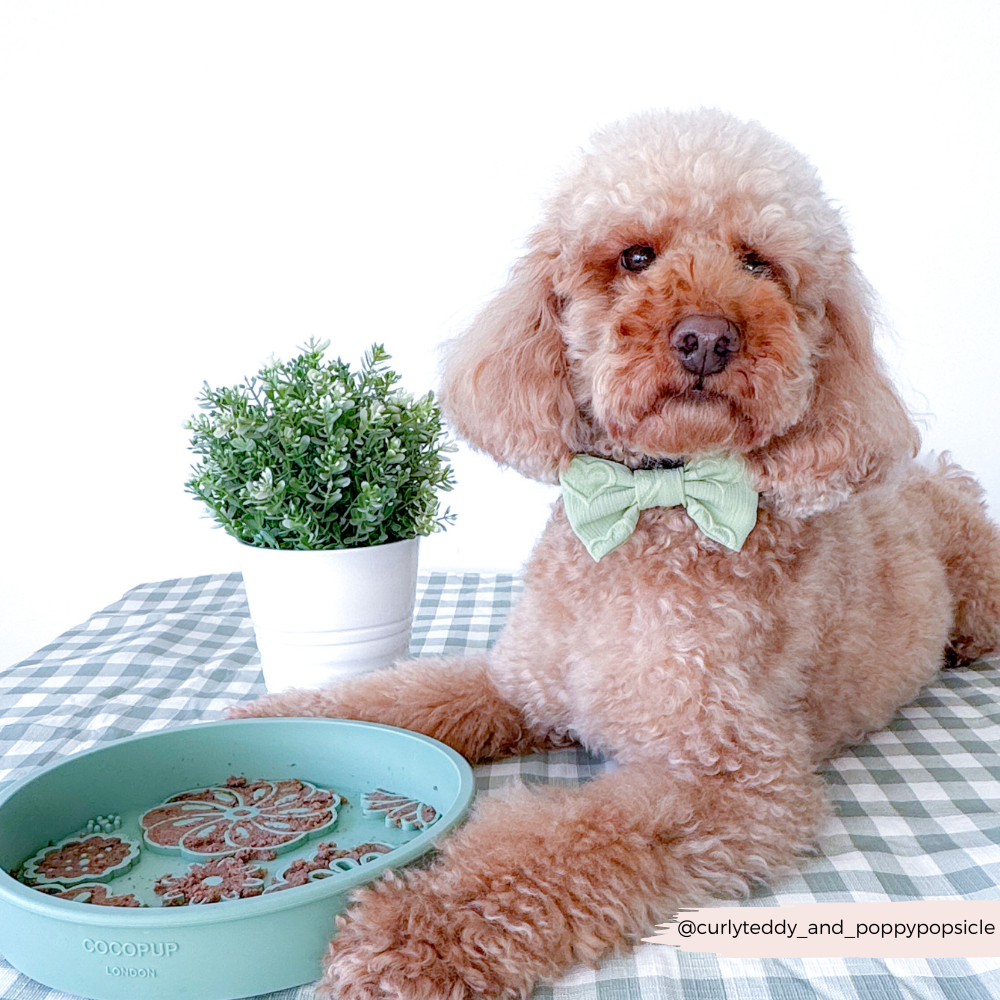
x=187, y=187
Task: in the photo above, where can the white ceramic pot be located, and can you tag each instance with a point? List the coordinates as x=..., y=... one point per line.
x=321, y=616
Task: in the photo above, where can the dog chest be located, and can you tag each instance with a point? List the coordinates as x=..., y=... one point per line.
x=635, y=649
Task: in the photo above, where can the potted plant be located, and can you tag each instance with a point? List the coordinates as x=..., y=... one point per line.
x=327, y=478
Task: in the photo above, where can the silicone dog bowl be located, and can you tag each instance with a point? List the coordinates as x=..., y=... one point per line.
x=234, y=948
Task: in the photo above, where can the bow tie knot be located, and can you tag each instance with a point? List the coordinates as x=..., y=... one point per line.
x=603, y=499
x=656, y=487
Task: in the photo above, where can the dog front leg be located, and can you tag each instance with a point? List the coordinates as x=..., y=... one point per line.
x=453, y=700
x=537, y=881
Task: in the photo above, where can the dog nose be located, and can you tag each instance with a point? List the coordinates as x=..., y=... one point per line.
x=705, y=343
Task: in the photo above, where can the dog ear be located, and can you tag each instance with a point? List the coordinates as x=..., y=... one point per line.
x=506, y=387
x=856, y=428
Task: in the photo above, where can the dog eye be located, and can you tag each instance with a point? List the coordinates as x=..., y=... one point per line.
x=755, y=264
x=638, y=258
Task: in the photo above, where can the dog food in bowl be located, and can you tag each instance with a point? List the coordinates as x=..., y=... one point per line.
x=116, y=940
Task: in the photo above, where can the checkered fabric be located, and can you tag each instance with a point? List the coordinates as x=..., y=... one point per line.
x=917, y=805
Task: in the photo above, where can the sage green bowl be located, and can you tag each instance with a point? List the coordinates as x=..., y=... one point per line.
x=235, y=948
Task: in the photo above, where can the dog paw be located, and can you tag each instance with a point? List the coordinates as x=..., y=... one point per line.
x=402, y=941
x=288, y=703
x=251, y=710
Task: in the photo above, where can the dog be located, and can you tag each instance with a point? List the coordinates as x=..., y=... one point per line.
x=690, y=301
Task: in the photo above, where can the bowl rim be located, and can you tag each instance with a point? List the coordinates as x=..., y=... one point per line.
x=146, y=918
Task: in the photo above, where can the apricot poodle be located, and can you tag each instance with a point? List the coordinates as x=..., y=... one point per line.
x=690, y=295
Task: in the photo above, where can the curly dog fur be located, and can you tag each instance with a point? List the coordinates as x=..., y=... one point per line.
x=716, y=679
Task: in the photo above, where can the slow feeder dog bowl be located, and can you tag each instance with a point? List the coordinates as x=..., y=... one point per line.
x=250, y=834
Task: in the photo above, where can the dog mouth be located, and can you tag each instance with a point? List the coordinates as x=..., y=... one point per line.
x=668, y=403
x=680, y=423
x=697, y=393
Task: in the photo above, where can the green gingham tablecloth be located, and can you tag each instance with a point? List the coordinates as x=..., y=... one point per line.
x=916, y=805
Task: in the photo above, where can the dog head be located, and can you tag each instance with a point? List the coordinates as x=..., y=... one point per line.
x=690, y=292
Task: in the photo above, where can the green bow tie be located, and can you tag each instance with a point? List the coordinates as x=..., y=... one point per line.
x=603, y=499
